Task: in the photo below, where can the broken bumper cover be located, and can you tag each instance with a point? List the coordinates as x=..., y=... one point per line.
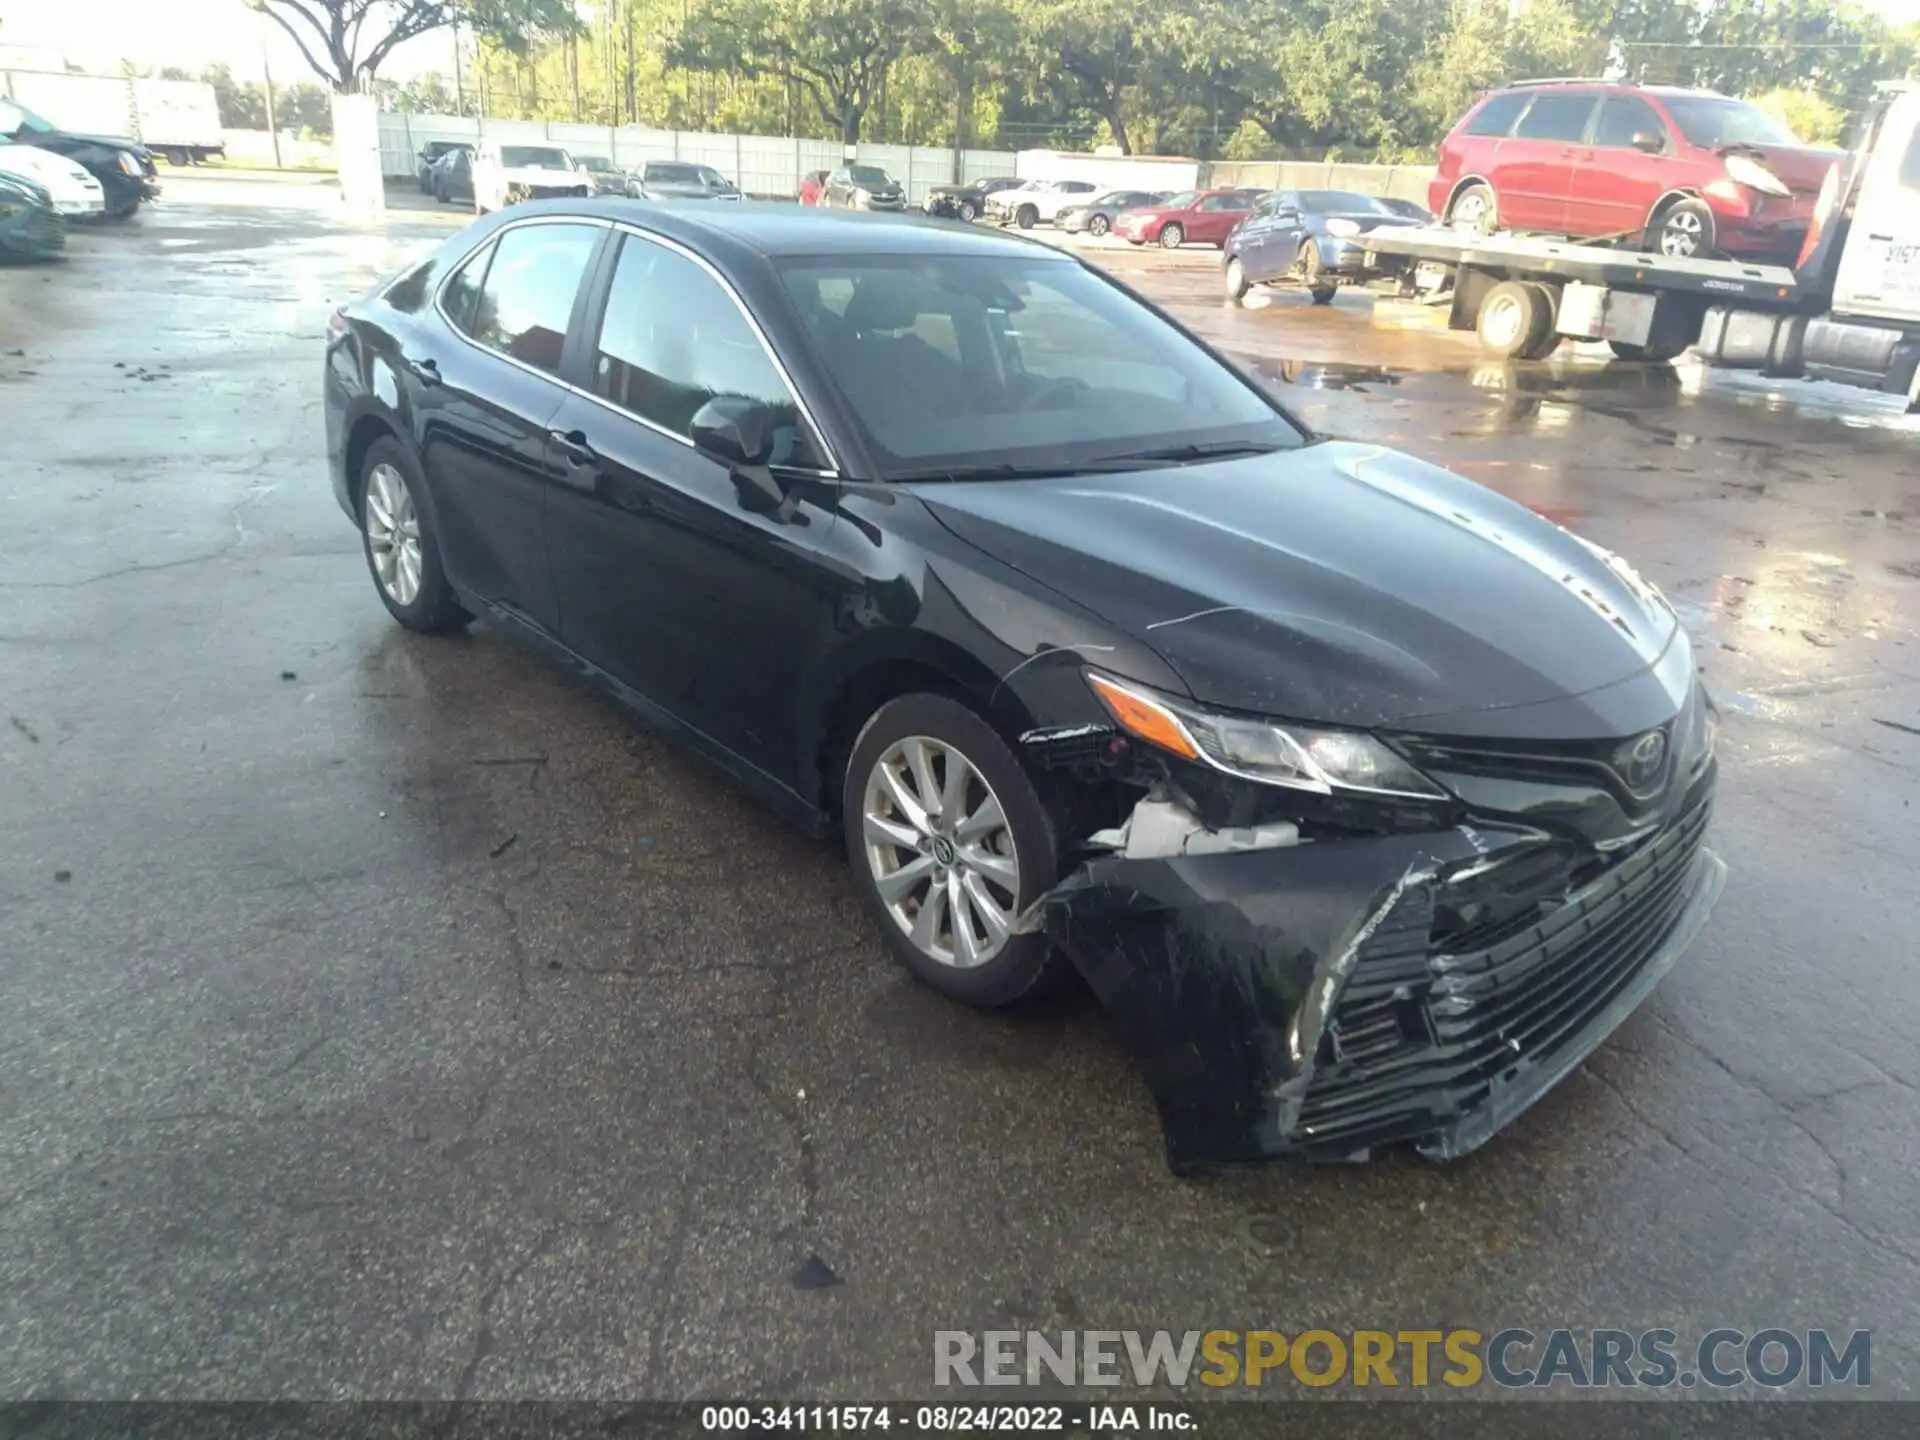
x=1308, y=1000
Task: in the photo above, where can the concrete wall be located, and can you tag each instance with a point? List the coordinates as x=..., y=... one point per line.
x=1402, y=182
x=763, y=165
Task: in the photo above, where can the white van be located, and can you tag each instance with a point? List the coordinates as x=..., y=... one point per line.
x=505, y=174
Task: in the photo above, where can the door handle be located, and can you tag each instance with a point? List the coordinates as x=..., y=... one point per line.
x=573, y=445
x=427, y=372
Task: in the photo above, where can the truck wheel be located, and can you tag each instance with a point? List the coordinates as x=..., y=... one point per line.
x=1474, y=210
x=176, y=157
x=1514, y=318
x=1660, y=353
x=1550, y=342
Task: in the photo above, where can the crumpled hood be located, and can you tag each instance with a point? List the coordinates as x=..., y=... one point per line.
x=1339, y=582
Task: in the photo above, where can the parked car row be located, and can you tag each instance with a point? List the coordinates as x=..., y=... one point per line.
x=53, y=176
x=493, y=176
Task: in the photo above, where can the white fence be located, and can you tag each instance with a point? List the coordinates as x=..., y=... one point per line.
x=765, y=165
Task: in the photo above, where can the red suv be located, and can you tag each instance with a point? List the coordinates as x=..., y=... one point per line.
x=1685, y=172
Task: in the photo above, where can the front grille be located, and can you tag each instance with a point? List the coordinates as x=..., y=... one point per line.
x=1573, y=762
x=1423, y=1031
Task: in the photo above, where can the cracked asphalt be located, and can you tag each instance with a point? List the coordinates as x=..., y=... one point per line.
x=388, y=1017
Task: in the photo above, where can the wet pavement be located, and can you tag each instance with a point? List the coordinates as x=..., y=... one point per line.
x=387, y=1016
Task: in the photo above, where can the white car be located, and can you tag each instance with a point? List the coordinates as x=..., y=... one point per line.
x=504, y=175
x=74, y=192
x=1038, y=200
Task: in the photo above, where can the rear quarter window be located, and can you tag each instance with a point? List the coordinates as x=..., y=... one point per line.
x=1496, y=117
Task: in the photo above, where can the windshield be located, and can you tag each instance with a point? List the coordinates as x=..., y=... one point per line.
x=674, y=174
x=868, y=175
x=535, y=157
x=1182, y=201
x=984, y=363
x=599, y=164
x=15, y=117
x=1338, y=202
x=1725, y=122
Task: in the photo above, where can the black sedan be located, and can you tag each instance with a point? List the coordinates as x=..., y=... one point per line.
x=1096, y=217
x=451, y=178
x=30, y=228
x=432, y=154
x=1366, y=800
x=125, y=169
x=966, y=202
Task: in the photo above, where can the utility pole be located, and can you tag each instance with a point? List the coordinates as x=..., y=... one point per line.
x=459, y=79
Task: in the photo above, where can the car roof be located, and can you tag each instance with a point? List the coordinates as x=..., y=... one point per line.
x=770, y=229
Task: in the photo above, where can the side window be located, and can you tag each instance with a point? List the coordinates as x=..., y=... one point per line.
x=1224, y=202
x=1079, y=187
x=526, y=301
x=673, y=339
x=1496, y=117
x=460, y=298
x=1621, y=118
x=1556, y=117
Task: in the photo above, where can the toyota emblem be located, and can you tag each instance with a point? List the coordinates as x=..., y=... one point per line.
x=1642, y=763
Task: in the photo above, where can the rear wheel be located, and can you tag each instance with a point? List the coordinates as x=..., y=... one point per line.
x=1236, y=280
x=403, y=553
x=1514, y=318
x=1098, y=226
x=1173, y=236
x=1474, y=210
x=949, y=843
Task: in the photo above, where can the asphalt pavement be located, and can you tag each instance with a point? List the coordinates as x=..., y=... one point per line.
x=388, y=1016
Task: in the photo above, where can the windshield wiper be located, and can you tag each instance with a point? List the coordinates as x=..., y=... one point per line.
x=1177, y=454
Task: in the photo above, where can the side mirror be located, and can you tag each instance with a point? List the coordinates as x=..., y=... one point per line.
x=1648, y=141
x=739, y=432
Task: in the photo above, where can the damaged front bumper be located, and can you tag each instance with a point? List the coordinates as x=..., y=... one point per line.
x=1326, y=998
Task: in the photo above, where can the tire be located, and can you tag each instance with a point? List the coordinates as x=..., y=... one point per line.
x=1549, y=300
x=1026, y=217
x=969, y=212
x=178, y=158
x=1514, y=317
x=430, y=607
x=1682, y=231
x=1654, y=354
x=1310, y=267
x=122, y=203
x=1023, y=965
x=1481, y=210
x=1173, y=235
x=1237, y=283
x=1099, y=225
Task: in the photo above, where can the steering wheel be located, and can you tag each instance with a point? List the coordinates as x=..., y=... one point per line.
x=1050, y=394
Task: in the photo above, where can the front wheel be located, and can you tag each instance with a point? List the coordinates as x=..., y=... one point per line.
x=949, y=844
x=1173, y=237
x=1683, y=231
x=1026, y=217
x=1474, y=211
x=969, y=212
x=1098, y=226
x=403, y=553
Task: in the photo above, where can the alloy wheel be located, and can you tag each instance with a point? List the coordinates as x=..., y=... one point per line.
x=940, y=851
x=1680, y=235
x=393, y=534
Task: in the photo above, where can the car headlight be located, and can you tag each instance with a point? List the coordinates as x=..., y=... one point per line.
x=127, y=162
x=1342, y=228
x=1301, y=757
x=1745, y=170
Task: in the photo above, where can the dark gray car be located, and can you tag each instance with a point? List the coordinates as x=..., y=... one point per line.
x=682, y=180
x=1097, y=216
x=863, y=187
x=603, y=175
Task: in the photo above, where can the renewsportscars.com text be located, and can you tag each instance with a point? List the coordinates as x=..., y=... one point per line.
x=1773, y=1358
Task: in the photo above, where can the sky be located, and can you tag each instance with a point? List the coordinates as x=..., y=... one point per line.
x=96, y=34
x=192, y=34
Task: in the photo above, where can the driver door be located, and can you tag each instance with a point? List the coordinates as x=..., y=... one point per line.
x=668, y=577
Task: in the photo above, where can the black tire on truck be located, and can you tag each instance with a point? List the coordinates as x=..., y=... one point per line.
x=1676, y=325
x=1514, y=318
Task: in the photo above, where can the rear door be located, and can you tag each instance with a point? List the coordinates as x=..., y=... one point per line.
x=1533, y=170
x=1270, y=238
x=1879, y=275
x=485, y=402
x=1616, y=182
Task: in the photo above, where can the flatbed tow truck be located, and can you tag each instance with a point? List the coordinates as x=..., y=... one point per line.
x=1847, y=310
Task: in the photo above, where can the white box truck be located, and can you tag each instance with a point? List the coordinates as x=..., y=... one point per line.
x=178, y=120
